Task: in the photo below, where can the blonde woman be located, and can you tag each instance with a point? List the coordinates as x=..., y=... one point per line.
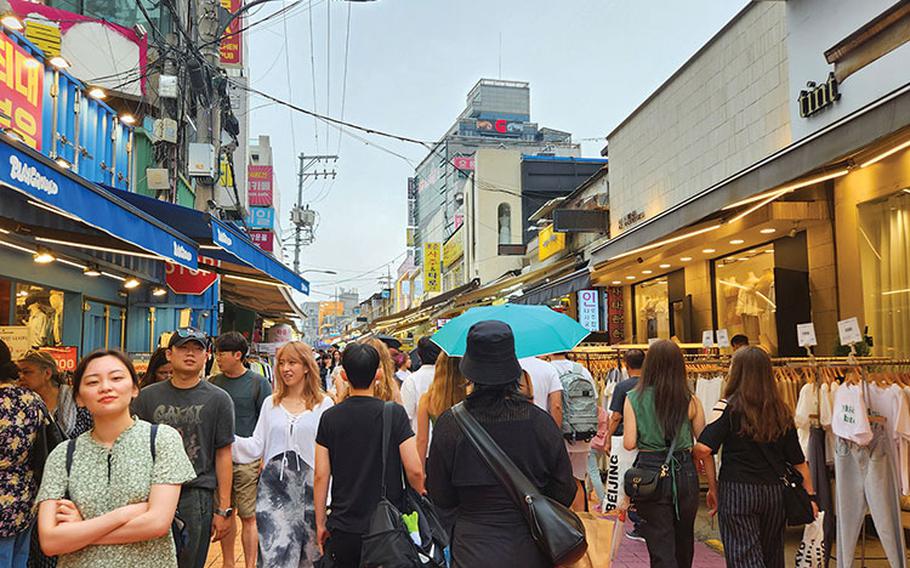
x=385, y=387
x=285, y=439
x=447, y=389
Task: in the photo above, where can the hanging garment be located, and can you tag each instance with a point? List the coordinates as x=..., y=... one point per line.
x=821, y=481
x=891, y=403
x=709, y=391
x=866, y=476
x=807, y=405
x=850, y=419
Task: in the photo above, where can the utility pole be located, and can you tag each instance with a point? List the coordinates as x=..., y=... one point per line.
x=208, y=117
x=304, y=219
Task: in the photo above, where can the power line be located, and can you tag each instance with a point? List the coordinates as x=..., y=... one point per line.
x=313, y=77
x=328, y=65
x=344, y=80
x=287, y=65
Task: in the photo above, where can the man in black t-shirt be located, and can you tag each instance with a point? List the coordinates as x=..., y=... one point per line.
x=349, y=452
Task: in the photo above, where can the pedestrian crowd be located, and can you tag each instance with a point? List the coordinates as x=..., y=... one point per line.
x=118, y=470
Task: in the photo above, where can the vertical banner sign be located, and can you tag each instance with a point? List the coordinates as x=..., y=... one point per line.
x=432, y=281
x=616, y=316
x=21, y=92
x=261, y=218
x=260, y=185
x=232, y=40
x=589, y=309
x=263, y=239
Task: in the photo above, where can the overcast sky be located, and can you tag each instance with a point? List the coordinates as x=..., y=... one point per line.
x=410, y=64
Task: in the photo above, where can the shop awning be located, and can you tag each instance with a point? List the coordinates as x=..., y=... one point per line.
x=504, y=287
x=562, y=286
x=218, y=239
x=46, y=185
x=834, y=142
x=274, y=302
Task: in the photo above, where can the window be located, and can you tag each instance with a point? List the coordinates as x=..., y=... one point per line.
x=40, y=310
x=505, y=224
x=746, y=302
x=652, y=306
x=123, y=12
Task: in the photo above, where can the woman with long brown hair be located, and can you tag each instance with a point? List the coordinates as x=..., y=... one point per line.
x=448, y=388
x=285, y=438
x=754, y=426
x=660, y=413
x=386, y=387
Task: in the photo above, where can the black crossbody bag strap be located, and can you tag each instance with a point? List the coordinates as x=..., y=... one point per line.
x=386, y=434
x=780, y=472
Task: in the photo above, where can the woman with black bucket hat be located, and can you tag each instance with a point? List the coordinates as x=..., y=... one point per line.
x=489, y=528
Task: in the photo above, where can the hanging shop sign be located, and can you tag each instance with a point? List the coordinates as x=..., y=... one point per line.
x=259, y=180
x=21, y=91
x=432, y=279
x=45, y=35
x=261, y=218
x=616, y=319
x=464, y=163
x=263, y=239
x=816, y=98
x=589, y=309
x=549, y=242
x=182, y=280
x=232, y=41
x=453, y=249
x=16, y=338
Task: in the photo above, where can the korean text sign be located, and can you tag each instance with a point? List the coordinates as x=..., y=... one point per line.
x=232, y=40
x=260, y=185
x=432, y=277
x=21, y=91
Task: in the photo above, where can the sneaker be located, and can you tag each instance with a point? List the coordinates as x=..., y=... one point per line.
x=634, y=535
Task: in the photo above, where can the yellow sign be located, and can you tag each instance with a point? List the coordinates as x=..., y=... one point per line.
x=549, y=242
x=226, y=179
x=45, y=35
x=432, y=279
x=453, y=249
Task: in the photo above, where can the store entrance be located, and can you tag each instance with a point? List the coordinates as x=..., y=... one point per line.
x=102, y=326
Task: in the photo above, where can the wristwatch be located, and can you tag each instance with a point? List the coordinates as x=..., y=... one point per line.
x=224, y=512
x=813, y=497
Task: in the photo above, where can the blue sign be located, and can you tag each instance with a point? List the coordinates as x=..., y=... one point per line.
x=26, y=173
x=261, y=218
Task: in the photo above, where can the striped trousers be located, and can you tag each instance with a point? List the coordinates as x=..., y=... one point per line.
x=752, y=520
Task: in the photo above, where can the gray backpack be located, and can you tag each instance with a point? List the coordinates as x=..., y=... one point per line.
x=579, y=405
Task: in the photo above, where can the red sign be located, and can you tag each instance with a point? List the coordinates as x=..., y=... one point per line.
x=65, y=357
x=184, y=280
x=264, y=240
x=260, y=185
x=21, y=92
x=232, y=40
x=616, y=322
x=464, y=163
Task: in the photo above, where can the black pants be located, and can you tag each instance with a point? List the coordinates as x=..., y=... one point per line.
x=752, y=520
x=344, y=549
x=196, y=507
x=670, y=539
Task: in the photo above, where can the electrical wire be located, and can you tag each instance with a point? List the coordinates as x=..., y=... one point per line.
x=328, y=66
x=313, y=76
x=287, y=65
x=344, y=79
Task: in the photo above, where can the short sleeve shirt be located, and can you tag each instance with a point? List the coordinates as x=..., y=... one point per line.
x=744, y=459
x=22, y=414
x=103, y=479
x=204, y=416
x=545, y=379
x=248, y=392
x=617, y=403
x=352, y=432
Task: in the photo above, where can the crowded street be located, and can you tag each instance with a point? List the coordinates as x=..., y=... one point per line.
x=320, y=284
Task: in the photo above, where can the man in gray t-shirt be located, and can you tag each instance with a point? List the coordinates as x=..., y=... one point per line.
x=204, y=416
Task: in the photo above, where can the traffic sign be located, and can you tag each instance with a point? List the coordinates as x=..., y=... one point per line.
x=182, y=280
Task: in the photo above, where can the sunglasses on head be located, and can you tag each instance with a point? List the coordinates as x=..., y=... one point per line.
x=190, y=333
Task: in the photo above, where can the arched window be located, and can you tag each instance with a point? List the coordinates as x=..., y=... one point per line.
x=505, y=224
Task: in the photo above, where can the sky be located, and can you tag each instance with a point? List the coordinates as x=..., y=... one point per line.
x=406, y=66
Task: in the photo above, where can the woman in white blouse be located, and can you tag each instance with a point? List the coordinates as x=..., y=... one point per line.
x=285, y=439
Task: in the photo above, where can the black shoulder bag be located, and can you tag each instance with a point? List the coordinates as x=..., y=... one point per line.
x=178, y=525
x=644, y=485
x=558, y=531
x=797, y=504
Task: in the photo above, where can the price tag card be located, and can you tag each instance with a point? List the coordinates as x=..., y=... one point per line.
x=723, y=338
x=707, y=338
x=849, y=331
x=805, y=334
x=653, y=340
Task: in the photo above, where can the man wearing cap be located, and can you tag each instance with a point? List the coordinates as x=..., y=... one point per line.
x=204, y=416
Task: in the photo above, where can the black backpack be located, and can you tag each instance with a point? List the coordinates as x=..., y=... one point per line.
x=178, y=526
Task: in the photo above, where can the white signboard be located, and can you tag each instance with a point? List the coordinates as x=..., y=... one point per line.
x=16, y=337
x=589, y=309
x=723, y=338
x=805, y=334
x=707, y=338
x=849, y=331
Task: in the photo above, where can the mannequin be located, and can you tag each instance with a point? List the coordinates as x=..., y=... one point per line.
x=37, y=323
x=56, y=301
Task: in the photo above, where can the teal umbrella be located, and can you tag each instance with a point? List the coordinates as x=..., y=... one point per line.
x=538, y=329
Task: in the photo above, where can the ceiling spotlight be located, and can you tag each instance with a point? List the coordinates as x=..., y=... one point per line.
x=768, y=231
x=685, y=258
x=709, y=251
x=128, y=119
x=63, y=163
x=664, y=266
x=130, y=283
x=92, y=271
x=44, y=256
x=97, y=93
x=616, y=282
x=59, y=62
x=647, y=272
x=737, y=242
x=630, y=278
x=11, y=22
x=159, y=291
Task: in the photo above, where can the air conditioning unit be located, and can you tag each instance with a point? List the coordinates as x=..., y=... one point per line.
x=201, y=160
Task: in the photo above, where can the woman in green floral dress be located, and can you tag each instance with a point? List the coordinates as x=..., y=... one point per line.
x=116, y=505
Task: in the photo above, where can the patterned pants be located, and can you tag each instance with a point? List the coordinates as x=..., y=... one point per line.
x=752, y=521
x=285, y=515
